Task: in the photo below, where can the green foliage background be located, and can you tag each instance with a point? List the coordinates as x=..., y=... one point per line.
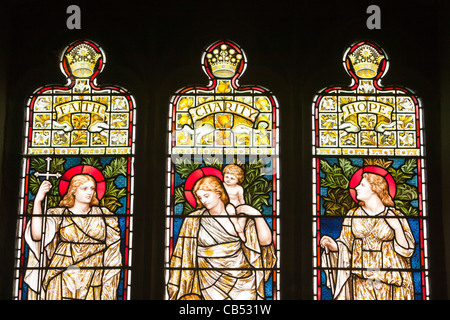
x=257, y=188
x=337, y=177
x=110, y=171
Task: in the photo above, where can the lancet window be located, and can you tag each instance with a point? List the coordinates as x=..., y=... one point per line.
x=222, y=213
x=75, y=225
x=370, y=216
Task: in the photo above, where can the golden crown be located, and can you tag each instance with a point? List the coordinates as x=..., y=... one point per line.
x=224, y=61
x=366, y=60
x=82, y=60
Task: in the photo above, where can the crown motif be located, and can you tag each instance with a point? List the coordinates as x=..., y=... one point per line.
x=82, y=60
x=224, y=61
x=366, y=60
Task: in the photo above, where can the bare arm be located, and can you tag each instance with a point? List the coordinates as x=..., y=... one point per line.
x=241, y=195
x=36, y=219
x=262, y=228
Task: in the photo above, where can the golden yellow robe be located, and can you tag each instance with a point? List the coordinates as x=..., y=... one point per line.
x=212, y=264
x=374, y=266
x=76, y=250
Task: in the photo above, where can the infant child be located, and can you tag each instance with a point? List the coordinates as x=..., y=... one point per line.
x=233, y=176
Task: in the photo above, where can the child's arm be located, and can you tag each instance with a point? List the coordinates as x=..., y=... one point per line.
x=238, y=223
x=230, y=209
x=241, y=195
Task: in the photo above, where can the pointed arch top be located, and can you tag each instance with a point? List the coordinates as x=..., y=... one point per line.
x=81, y=117
x=216, y=131
x=366, y=117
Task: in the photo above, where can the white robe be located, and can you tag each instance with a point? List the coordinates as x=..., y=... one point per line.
x=68, y=262
x=211, y=262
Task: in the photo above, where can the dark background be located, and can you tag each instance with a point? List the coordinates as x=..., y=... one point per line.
x=294, y=48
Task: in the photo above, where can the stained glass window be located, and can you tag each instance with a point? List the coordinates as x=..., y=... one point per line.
x=222, y=214
x=369, y=186
x=75, y=225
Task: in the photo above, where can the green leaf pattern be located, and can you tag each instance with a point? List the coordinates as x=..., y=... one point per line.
x=336, y=179
x=257, y=188
x=111, y=171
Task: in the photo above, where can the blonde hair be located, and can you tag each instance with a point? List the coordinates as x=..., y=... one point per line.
x=234, y=170
x=69, y=198
x=380, y=187
x=210, y=183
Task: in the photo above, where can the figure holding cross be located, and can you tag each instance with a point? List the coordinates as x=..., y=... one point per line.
x=75, y=247
x=41, y=196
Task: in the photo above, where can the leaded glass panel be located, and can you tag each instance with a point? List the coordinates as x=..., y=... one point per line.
x=223, y=144
x=75, y=225
x=369, y=186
